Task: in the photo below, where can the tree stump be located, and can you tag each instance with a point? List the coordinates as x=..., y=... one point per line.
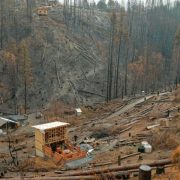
x=119, y=160
x=144, y=172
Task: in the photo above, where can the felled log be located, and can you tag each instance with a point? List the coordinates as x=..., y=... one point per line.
x=152, y=126
x=19, y=147
x=142, y=134
x=102, y=164
x=88, y=92
x=124, y=130
x=3, y=155
x=129, y=142
x=119, y=168
x=130, y=155
x=108, y=175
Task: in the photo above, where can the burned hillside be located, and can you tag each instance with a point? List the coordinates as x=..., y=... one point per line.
x=84, y=55
x=89, y=90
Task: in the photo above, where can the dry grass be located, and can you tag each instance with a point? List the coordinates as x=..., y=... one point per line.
x=27, y=164
x=115, y=130
x=164, y=140
x=88, y=112
x=56, y=109
x=98, y=130
x=171, y=174
x=129, y=150
x=102, y=108
x=155, y=113
x=176, y=156
x=177, y=95
x=48, y=164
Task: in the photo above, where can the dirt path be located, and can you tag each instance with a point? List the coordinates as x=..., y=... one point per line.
x=131, y=105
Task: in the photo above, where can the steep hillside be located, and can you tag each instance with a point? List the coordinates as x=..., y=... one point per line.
x=82, y=54
x=68, y=64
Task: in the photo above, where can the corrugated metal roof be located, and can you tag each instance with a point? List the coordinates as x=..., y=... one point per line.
x=50, y=125
x=17, y=117
x=7, y=120
x=4, y=121
x=78, y=110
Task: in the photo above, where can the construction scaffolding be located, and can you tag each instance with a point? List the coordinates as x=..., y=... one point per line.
x=51, y=140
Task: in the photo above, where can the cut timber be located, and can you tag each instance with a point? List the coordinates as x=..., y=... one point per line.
x=88, y=92
x=124, y=130
x=115, y=175
x=119, y=168
x=19, y=147
x=57, y=74
x=152, y=126
x=131, y=123
x=129, y=142
x=143, y=134
x=102, y=164
x=3, y=155
x=130, y=155
x=108, y=163
x=89, y=177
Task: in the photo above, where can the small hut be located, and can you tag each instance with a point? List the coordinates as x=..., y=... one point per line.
x=5, y=124
x=78, y=111
x=19, y=119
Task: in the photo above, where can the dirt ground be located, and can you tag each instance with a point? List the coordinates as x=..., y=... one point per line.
x=118, y=128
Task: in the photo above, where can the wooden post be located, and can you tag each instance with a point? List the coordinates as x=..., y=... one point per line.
x=119, y=160
x=140, y=157
x=160, y=170
x=144, y=172
x=7, y=126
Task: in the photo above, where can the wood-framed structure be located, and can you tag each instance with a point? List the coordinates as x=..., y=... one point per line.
x=51, y=140
x=48, y=134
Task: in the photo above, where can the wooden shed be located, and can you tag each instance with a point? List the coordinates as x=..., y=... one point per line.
x=5, y=123
x=49, y=135
x=78, y=111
